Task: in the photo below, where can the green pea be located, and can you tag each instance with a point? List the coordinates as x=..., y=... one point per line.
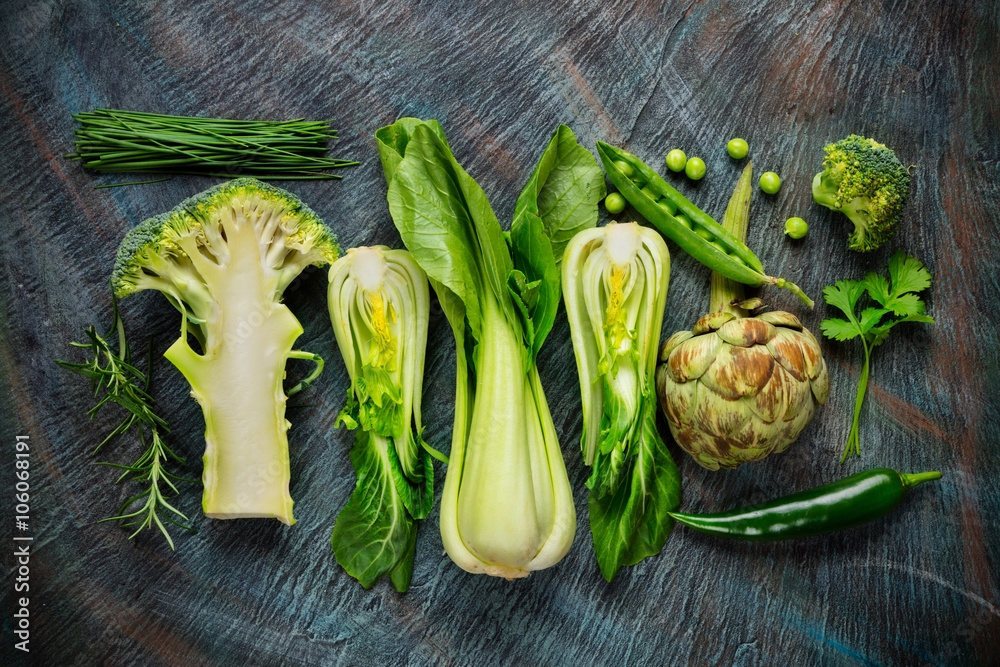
x=770, y=182
x=614, y=203
x=649, y=192
x=676, y=160
x=796, y=228
x=695, y=169
x=738, y=148
x=705, y=234
x=625, y=168
x=684, y=220
x=668, y=205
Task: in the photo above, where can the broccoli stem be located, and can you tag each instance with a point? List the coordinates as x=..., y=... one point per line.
x=237, y=380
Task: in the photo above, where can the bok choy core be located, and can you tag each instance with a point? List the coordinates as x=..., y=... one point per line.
x=379, y=306
x=615, y=283
x=507, y=508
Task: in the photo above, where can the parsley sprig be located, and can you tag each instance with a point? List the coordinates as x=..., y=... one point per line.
x=898, y=302
x=114, y=379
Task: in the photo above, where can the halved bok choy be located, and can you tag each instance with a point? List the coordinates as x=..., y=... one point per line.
x=379, y=306
x=615, y=281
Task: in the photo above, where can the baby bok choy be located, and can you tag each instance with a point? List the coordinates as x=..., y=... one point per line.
x=507, y=508
x=379, y=306
x=615, y=282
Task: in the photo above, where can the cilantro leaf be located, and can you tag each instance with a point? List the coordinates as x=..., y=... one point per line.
x=898, y=296
x=870, y=317
x=844, y=295
x=839, y=329
x=908, y=274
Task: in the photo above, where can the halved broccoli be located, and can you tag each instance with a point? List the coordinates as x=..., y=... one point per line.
x=223, y=258
x=865, y=181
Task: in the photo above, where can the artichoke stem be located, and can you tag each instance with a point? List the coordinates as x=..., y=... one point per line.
x=736, y=220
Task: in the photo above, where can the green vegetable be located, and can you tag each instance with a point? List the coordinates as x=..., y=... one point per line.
x=379, y=306
x=615, y=282
x=507, y=507
x=850, y=502
x=676, y=160
x=737, y=148
x=897, y=303
x=738, y=388
x=770, y=182
x=625, y=168
x=695, y=169
x=670, y=206
x=114, y=379
x=223, y=258
x=614, y=203
x=707, y=242
x=865, y=181
x=796, y=228
x=109, y=140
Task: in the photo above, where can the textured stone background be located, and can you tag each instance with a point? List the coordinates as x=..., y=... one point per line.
x=919, y=587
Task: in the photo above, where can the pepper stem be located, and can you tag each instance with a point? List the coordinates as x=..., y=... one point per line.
x=736, y=220
x=912, y=479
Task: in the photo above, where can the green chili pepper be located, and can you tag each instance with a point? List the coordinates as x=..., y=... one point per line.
x=724, y=254
x=850, y=502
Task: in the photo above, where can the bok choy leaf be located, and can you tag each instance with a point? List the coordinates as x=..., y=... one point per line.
x=507, y=508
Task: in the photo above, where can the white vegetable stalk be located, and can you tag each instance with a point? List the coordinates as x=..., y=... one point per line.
x=507, y=507
x=379, y=307
x=615, y=281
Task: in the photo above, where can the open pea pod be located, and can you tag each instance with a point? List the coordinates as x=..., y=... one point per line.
x=705, y=239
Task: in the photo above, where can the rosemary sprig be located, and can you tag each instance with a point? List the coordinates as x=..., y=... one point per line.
x=114, y=379
x=109, y=140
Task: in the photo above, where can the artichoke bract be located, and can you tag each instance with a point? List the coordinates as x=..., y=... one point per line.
x=737, y=388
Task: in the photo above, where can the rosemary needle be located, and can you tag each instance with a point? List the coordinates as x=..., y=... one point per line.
x=114, y=379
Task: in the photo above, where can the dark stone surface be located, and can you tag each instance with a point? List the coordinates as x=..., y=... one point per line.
x=918, y=587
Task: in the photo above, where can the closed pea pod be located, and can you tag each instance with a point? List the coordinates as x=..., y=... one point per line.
x=706, y=240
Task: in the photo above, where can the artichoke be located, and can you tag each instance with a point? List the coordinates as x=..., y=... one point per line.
x=738, y=388
x=735, y=389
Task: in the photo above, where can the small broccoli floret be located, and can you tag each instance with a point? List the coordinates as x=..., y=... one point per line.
x=865, y=181
x=224, y=258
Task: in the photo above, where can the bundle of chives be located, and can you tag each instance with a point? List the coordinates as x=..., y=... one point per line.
x=110, y=140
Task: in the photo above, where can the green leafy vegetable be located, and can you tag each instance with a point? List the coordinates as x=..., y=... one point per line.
x=899, y=302
x=223, y=258
x=507, y=508
x=615, y=281
x=114, y=379
x=379, y=307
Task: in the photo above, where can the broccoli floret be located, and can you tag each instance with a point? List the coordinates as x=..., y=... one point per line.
x=224, y=258
x=865, y=181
